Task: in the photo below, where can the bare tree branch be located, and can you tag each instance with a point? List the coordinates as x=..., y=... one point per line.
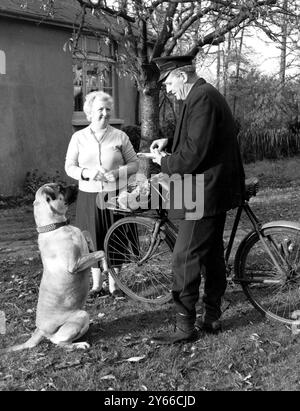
x=79, y=31
x=246, y=14
x=166, y=31
x=187, y=24
x=108, y=10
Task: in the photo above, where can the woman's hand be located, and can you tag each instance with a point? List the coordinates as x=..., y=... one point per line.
x=89, y=173
x=112, y=175
x=100, y=176
x=94, y=174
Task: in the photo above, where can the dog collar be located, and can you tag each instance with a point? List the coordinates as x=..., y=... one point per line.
x=51, y=227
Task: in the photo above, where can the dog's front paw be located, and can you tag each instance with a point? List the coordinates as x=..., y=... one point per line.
x=99, y=254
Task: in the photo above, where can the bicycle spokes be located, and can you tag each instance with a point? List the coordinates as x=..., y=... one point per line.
x=144, y=260
x=273, y=287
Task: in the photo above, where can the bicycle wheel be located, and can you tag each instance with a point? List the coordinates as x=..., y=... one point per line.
x=272, y=284
x=143, y=278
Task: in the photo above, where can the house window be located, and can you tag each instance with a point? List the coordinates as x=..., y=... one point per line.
x=2, y=62
x=93, y=69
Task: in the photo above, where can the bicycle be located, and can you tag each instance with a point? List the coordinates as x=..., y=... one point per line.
x=266, y=263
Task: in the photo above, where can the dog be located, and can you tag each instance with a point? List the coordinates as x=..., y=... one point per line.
x=66, y=257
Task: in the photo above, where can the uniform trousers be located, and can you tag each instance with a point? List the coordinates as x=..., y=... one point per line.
x=199, y=249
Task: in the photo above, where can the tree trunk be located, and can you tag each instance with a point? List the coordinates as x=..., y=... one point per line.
x=149, y=118
x=219, y=67
x=149, y=126
x=283, y=45
x=226, y=64
x=238, y=67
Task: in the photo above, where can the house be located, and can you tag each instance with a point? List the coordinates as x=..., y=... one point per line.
x=43, y=84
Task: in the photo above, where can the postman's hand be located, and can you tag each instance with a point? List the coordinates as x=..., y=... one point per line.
x=159, y=145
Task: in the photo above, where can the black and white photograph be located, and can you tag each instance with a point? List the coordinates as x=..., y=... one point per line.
x=150, y=198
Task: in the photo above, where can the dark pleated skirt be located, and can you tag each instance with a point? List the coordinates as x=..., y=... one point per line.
x=93, y=219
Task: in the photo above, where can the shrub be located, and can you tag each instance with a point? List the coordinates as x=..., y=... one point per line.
x=7, y=202
x=258, y=144
x=134, y=134
x=263, y=101
x=34, y=179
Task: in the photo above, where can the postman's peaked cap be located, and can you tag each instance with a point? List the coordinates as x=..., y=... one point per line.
x=169, y=63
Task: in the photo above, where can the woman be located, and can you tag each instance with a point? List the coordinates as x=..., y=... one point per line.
x=98, y=156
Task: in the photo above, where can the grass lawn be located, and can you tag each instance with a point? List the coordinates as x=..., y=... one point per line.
x=252, y=354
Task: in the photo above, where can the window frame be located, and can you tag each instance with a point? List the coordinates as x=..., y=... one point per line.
x=85, y=56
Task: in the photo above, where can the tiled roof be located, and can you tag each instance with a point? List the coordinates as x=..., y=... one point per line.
x=66, y=13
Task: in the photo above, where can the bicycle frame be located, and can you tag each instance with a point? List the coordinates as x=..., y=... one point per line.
x=253, y=219
x=266, y=261
x=257, y=227
x=164, y=229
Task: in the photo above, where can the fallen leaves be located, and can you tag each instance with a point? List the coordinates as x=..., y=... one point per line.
x=132, y=359
x=68, y=364
x=135, y=359
x=120, y=356
x=108, y=377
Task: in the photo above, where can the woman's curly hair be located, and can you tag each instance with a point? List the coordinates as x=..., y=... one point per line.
x=90, y=98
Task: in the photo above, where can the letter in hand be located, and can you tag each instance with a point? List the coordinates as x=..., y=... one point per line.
x=158, y=156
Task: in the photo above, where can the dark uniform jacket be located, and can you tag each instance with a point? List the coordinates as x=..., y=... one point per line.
x=205, y=142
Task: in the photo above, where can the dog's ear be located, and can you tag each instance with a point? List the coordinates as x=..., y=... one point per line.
x=49, y=194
